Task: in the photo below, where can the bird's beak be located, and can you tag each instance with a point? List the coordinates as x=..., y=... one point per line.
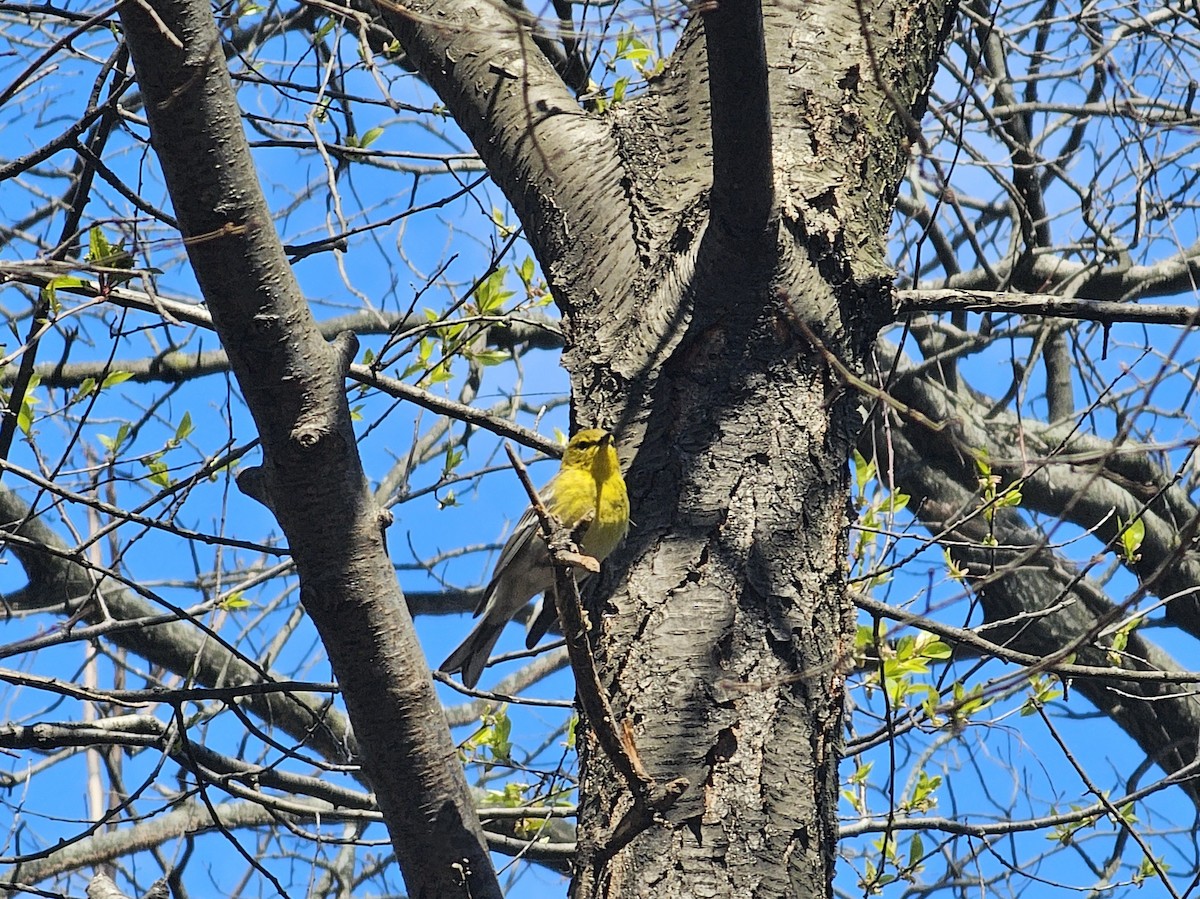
x=606, y=439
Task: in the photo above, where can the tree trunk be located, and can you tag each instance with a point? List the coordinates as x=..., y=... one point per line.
x=725, y=647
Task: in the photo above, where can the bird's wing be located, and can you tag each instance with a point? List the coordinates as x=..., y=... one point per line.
x=517, y=546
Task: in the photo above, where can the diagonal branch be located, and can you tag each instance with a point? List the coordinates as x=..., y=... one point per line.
x=1085, y=480
x=917, y=302
x=558, y=164
x=1033, y=600
x=312, y=477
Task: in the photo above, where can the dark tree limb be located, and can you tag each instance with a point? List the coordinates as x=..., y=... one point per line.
x=1054, y=609
x=293, y=383
x=558, y=165
x=1094, y=483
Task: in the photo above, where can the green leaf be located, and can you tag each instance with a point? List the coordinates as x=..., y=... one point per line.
x=493, y=734
x=937, y=650
x=454, y=458
x=864, y=472
x=1132, y=537
x=1120, y=640
x=25, y=416
x=184, y=428
x=952, y=568
x=234, y=602
x=490, y=294
x=322, y=33
x=65, y=281
x=113, y=378
x=864, y=636
x=103, y=253
x=491, y=357
x=370, y=137
x=1010, y=497
x=922, y=798
x=158, y=472
x=98, y=246
x=112, y=444
x=498, y=218
x=511, y=796
x=966, y=703
x=571, y=729
x=916, y=850
x=982, y=462
x=439, y=374
x=1149, y=869
x=28, y=402
x=50, y=291
x=1043, y=690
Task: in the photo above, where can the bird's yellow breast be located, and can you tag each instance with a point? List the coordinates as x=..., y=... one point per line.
x=612, y=519
x=597, y=490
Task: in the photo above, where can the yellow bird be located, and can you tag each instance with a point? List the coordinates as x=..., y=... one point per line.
x=588, y=483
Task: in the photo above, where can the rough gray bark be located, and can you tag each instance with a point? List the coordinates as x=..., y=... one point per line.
x=723, y=649
x=293, y=383
x=728, y=643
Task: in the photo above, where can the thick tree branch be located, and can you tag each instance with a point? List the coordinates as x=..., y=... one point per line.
x=1014, y=571
x=59, y=579
x=107, y=846
x=1022, y=576
x=293, y=384
x=1107, y=278
x=557, y=164
x=965, y=637
x=1078, y=478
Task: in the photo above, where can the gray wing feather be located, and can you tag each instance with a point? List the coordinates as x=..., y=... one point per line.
x=522, y=572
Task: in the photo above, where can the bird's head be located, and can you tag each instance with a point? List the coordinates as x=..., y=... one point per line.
x=592, y=448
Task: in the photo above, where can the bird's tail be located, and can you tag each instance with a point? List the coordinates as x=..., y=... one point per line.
x=472, y=654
